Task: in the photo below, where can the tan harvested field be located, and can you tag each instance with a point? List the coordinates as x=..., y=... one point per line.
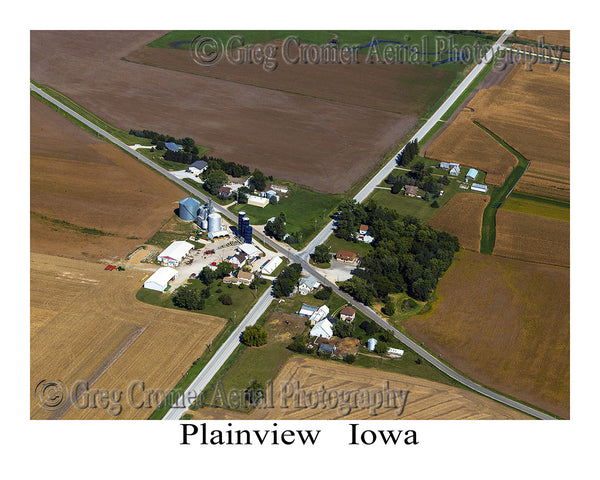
x=529, y=111
x=79, y=179
x=324, y=144
x=378, y=86
x=461, y=217
x=532, y=238
x=426, y=400
x=86, y=325
x=504, y=323
x=551, y=37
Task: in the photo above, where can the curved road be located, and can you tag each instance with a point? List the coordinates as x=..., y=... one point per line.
x=302, y=257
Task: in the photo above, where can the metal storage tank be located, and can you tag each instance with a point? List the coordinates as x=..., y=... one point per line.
x=248, y=234
x=204, y=224
x=188, y=209
x=371, y=342
x=214, y=222
x=241, y=216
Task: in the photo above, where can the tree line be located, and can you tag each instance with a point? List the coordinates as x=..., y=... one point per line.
x=407, y=256
x=408, y=153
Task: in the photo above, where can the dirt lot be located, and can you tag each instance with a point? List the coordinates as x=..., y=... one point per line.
x=461, y=216
x=426, y=400
x=87, y=326
x=79, y=179
x=280, y=133
x=532, y=238
x=553, y=37
x=530, y=111
x=504, y=323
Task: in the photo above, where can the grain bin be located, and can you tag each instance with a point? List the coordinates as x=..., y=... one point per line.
x=371, y=342
x=214, y=222
x=188, y=209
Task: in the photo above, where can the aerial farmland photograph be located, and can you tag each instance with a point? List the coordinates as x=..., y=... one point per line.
x=299, y=225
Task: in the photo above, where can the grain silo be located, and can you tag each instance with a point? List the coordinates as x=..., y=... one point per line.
x=371, y=342
x=240, y=231
x=188, y=209
x=248, y=234
x=214, y=222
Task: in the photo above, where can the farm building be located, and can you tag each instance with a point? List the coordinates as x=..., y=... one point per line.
x=197, y=167
x=326, y=349
x=257, y=201
x=269, y=267
x=307, y=310
x=478, y=187
x=307, y=285
x=319, y=315
x=410, y=190
x=174, y=253
x=471, y=174
x=160, y=279
x=218, y=234
x=251, y=251
x=238, y=260
x=346, y=257
x=347, y=314
x=453, y=168
x=280, y=189
x=173, y=146
x=323, y=329
x=395, y=352
x=188, y=209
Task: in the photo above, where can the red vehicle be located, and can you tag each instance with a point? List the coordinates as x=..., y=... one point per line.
x=214, y=264
x=209, y=252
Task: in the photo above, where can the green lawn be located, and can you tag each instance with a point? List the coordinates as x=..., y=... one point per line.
x=306, y=212
x=243, y=299
x=336, y=244
x=498, y=194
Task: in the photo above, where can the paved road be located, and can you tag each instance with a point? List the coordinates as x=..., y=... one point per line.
x=219, y=358
x=302, y=257
x=431, y=122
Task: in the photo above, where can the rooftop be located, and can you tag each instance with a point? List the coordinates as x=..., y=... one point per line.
x=173, y=146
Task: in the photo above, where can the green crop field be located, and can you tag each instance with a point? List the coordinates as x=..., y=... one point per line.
x=545, y=207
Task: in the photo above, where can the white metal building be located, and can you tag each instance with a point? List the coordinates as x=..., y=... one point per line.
x=174, y=253
x=319, y=315
x=269, y=267
x=160, y=279
x=478, y=187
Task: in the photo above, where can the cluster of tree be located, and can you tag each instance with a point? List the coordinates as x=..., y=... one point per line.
x=189, y=297
x=420, y=176
x=230, y=168
x=324, y=293
x=410, y=151
x=407, y=256
x=286, y=281
x=207, y=275
x=180, y=157
x=254, y=336
x=258, y=180
x=277, y=228
x=322, y=254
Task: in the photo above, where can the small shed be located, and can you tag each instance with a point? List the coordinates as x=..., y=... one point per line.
x=307, y=310
x=326, y=349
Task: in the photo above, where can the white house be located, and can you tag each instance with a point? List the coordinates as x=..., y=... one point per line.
x=174, y=253
x=324, y=329
x=160, y=279
x=307, y=285
x=197, y=167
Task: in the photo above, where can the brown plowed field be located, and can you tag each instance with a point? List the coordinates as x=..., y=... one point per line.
x=529, y=111
x=462, y=216
x=324, y=144
x=426, y=400
x=79, y=179
x=378, y=86
x=504, y=323
x=86, y=325
x=532, y=238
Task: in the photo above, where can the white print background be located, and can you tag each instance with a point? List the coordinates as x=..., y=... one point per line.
x=151, y=450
